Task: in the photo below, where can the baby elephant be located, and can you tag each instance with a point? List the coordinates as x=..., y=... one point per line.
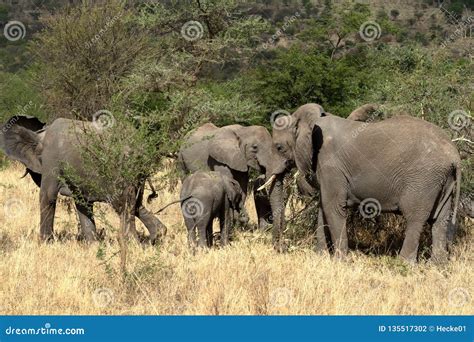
x=206, y=195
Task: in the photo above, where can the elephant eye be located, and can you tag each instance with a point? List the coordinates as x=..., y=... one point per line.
x=279, y=147
x=254, y=147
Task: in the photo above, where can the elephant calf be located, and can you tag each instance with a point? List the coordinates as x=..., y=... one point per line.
x=207, y=195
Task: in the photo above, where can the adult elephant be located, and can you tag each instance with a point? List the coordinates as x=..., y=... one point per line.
x=402, y=165
x=234, y=151
x=47, y=153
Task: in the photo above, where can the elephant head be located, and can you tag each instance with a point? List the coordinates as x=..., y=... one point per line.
x=241, y=148
x=299, y=139
x=233, y=192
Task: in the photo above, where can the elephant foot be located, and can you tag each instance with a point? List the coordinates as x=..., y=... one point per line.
x=263, y=224
x=439, y=258
x=87, y=237
x=341, y=255
x=321, y=251
x=280, y=247
x=47, y=238
x=411, y=260
x=159, y=235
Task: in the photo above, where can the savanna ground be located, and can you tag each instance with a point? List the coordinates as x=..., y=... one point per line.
x=248, y=277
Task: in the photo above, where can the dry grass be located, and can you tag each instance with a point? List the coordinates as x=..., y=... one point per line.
x=68, y=277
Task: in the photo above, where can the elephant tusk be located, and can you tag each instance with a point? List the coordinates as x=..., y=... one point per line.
x=267, y=183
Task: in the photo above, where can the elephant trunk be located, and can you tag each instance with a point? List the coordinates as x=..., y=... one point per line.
x=277, y=202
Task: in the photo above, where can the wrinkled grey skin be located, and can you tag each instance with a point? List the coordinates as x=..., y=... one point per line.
x=207, y=195
x=408, y=165
x=233, y=151
x=46, y=153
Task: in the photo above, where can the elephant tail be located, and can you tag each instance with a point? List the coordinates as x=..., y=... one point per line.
x=174, y=202
x=458, y=192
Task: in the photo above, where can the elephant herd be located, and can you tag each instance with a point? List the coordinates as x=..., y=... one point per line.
x=401, y=165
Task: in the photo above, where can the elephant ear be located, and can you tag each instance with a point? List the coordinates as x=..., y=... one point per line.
x=225, y=148
x=24, y=145
x=28, y=122
x=309, y=139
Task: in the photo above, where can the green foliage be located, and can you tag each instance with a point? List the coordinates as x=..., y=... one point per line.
x=4, y=9
x=18, y=96
x=83, y=53
x=296, y=77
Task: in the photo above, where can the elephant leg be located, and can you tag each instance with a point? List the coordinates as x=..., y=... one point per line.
x=85, y=212
x=202, y=224
x=337, y=228
x=416, y=212
x=191, y=226
x=439, y=231
x=333, y=201
x=209, y=236
x=154, y=226
x=409, y=249
x=262, y=204
x=202, y=233
x=226, y=223
x=321, y=243
x=48, y=198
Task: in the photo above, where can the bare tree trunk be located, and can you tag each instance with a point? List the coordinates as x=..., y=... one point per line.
x=127, y=224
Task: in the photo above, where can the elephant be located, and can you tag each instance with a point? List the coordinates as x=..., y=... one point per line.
x=234, y=151
x=207, y=195
x=402, y=165
x=46, y=153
